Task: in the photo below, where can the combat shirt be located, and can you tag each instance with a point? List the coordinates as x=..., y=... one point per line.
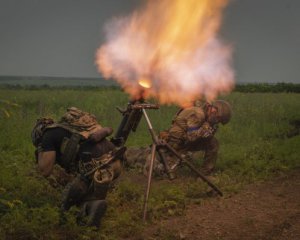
x=190, y=125
x=189, y=119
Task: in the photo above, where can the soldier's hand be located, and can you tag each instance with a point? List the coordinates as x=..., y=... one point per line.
x=206, y=130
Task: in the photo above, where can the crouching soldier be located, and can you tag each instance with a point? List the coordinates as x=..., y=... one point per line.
x=78, y=144
x=193, y=129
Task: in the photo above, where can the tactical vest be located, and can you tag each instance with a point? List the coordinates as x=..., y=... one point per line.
x=81, y=125
x=69, y=146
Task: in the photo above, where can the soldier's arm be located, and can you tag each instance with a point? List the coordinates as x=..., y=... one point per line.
x=197, y=127
x=46, y=153
x=202, y=132
x=46, y=161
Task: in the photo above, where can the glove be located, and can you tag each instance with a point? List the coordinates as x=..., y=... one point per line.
x=205, y=131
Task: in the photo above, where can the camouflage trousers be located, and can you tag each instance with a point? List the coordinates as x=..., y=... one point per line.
x=140, y=157
x=210, y=146
x=89, y=194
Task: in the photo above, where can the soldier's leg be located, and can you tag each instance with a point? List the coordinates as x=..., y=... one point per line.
x=158, y=168
x=74, y=192
x=135, y=157
x=94, y=205
x=211, y=148
x=93, y=211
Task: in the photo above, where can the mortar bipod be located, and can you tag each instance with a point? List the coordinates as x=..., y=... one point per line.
x=157, y=146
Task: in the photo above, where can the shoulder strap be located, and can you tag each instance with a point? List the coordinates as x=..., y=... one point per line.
x=176, y=115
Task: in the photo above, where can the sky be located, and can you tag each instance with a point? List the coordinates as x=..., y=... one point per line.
x=60, y=37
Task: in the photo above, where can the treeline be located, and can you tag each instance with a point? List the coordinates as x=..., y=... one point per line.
x=49, y=87
x=247, y=88
x=49, y=82
x=267, y=87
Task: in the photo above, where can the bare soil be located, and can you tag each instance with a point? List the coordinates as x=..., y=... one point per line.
x=267, y=210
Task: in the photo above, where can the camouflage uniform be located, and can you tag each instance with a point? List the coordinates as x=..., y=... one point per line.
x=138, y=158
x=191, y=131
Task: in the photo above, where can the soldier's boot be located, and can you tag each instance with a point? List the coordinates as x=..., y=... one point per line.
x=92, y=212
x=210, y=157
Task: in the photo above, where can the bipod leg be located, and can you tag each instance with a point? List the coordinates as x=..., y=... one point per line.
x=146, y=195
x=192, y=167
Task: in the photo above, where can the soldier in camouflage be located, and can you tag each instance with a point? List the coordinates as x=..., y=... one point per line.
x=193, y=129
x=75, y=140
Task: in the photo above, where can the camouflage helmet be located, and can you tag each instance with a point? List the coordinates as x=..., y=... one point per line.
x=38, y=129
x=224, y=110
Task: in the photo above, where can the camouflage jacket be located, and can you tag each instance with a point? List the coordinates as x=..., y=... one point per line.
x=190, y=125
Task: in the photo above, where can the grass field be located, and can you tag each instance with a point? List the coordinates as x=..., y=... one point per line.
x=261, y=140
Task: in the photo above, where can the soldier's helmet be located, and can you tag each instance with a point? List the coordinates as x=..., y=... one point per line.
x=224, y=110
x=38, y=129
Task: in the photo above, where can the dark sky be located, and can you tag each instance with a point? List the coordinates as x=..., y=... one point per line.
x=60, y=37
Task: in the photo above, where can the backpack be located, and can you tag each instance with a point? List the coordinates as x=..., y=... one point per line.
x=79, y=122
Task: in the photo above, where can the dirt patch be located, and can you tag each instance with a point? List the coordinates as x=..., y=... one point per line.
x=269, y=210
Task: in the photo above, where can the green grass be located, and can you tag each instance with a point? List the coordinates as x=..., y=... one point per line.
x=253, y=146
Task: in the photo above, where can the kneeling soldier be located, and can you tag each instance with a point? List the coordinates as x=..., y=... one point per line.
x=193, y=129
x=78, y=144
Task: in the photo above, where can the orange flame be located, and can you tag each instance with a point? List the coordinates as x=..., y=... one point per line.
x=174, y=43
x=144, y=82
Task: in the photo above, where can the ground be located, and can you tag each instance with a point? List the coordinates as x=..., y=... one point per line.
x=266, y=210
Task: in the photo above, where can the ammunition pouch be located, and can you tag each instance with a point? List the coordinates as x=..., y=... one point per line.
x=100, y=172
x=69, y=150
x=105, y=168
x=108, y=174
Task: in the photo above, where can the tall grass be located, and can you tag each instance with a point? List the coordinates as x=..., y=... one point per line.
x=253, y=146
